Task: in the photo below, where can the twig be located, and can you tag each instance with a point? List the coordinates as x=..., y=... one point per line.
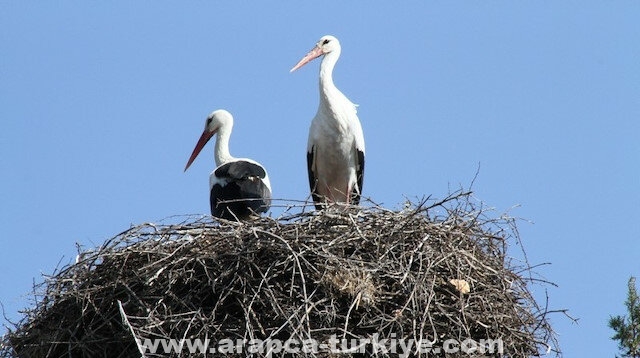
x=125, y=320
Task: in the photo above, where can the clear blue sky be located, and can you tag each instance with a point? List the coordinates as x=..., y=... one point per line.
x=101, y=104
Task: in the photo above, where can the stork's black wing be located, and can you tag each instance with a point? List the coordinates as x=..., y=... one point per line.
x=240, y=169
x=357, y=192
x=313, y=180
x=241, y=190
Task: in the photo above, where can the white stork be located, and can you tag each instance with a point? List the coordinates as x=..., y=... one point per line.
x=239, y=187
x=335, y=150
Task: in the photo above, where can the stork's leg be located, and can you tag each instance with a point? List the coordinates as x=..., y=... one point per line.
x=331, y=198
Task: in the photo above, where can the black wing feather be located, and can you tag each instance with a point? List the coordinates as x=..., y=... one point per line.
x=244, y=193
x=357, y=192
x=240, y=169
x=313, y=182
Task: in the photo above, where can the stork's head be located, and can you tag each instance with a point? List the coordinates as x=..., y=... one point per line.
x=218, y=119
x=325, y=45
x=215, y=121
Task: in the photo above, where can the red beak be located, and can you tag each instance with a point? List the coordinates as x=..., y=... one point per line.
x=314, y=53
x=204, y=138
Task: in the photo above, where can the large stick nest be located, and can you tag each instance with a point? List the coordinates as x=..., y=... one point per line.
x=434, y=271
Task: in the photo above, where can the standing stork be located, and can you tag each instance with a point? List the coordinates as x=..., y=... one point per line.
x=335, y=150
x=239, y=187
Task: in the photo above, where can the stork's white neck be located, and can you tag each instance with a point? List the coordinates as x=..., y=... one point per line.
x=326, y=74
x=222, y=154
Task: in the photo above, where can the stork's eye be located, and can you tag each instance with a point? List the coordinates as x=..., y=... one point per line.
x=326, y=41
x=209, y=120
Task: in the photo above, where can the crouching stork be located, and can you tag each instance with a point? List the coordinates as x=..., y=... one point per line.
x=239, y=187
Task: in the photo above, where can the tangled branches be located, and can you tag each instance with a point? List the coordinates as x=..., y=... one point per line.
x=345, y=272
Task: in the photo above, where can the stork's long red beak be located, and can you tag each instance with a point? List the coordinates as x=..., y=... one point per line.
x=314, y=53
x=204, y=138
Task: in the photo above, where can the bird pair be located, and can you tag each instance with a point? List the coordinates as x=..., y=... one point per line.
x=240, y=187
